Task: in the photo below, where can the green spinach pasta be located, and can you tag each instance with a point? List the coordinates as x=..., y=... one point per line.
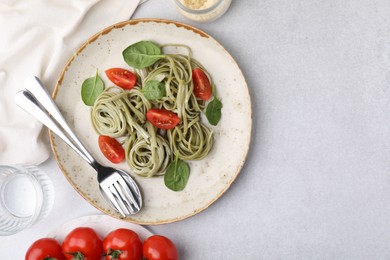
x=165, y=83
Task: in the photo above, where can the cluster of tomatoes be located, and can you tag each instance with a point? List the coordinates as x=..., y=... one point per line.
x=83, y=243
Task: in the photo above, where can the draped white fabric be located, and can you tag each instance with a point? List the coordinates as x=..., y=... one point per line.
x=37, y=38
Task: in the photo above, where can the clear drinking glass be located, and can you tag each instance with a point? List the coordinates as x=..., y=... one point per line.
x=26, y=197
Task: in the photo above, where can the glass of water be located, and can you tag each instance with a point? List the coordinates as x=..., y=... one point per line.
x=26, y=197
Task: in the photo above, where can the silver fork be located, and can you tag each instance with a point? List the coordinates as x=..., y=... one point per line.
x=116, y=186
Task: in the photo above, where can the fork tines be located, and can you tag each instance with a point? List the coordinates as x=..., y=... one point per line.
x=119, y=193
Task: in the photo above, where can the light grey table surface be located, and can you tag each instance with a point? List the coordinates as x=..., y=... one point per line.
x=316, y=183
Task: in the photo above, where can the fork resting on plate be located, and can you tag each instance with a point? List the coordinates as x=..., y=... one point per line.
x=116, y=186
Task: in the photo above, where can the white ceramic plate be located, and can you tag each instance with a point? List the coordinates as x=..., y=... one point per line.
x=210, y=177
x=102, y=224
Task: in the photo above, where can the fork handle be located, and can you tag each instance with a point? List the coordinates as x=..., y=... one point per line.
x=38, y=91
x=26, y=101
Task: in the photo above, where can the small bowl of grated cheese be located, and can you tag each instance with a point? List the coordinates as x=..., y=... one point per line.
x=202, y=10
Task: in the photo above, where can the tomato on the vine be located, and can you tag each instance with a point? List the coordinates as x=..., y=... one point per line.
x=82, y=243
x=45, y=248
x=122, y=244
x=162, y=118
x=111, y=149
x=202, y=85
x=121, y=77
x=158, y=247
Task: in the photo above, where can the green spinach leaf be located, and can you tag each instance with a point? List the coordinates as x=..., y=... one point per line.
x=177, y=175
x=153, y=90
x=142, y=54
x=213, y=111
x=91, y=89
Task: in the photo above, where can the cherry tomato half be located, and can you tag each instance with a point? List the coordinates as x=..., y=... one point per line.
x=45, y=248
x=111, y=149
x=121, y=77
x=122, y=244
x=82, y=243
x=162, y=118
x=202, y=85
x=158, y=247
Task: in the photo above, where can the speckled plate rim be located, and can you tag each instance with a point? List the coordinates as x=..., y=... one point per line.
x=180, y=25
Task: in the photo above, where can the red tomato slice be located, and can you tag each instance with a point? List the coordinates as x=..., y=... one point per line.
x=121, y=77
x=122, y=244
x=45, y=248
x=162, y=118
x=202, y=85
x=158, y=247
x=111, y=149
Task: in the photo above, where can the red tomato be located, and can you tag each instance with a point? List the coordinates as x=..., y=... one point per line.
x=82, y=243
x=159, y=248
x=45, y=248
x=202, y=85
x=121, y=77
x=111, y=149
x=122, y=244
x=162, y=118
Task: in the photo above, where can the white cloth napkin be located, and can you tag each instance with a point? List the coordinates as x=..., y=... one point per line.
x=37, y=38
